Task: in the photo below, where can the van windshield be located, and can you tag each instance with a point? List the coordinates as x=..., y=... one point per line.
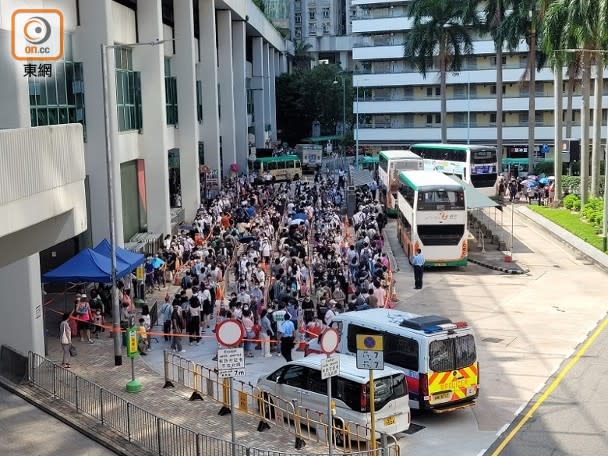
x=451, y=354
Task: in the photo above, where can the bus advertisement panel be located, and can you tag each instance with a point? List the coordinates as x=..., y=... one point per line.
x=433, y=217
x=476, y=165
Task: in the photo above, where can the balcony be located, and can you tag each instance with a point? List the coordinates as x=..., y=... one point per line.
x=42, y=198
x=389, y=24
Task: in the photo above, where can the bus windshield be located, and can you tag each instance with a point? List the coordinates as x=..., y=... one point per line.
x=450, y=354
x=440, y=200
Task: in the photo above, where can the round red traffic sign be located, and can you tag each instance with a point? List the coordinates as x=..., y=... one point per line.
x=330, y=340
x=230, y=333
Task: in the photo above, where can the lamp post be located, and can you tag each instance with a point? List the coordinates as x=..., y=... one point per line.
x=111, y=190
x=357, y=129
x=343, y=111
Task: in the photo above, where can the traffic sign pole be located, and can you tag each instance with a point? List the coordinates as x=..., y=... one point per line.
x=372, y=407
x=330, y=419
x=329, y=344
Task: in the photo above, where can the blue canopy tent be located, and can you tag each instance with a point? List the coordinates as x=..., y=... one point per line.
x=87, y=266
x=124, y=255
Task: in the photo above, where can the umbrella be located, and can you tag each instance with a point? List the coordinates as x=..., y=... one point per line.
x=157, y=262
x=530, y=176
x=530, y=183
x=543, y=180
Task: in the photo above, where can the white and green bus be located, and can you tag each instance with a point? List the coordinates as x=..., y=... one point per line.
x=390, y=162
x=432, y=216
x=476, y=165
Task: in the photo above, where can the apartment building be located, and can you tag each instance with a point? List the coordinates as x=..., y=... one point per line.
x=397, y=105
x=325, y=26
x=190, y=83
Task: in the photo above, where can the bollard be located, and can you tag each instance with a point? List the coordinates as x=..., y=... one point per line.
x=168, y=383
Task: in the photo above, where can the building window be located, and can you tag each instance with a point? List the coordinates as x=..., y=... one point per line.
x=199, y=101
x=504, y=60
x=437, y=91
x=312, y=28
x=325, y=13
x=326, y=28
x=298, y=5
x=523, y=118
x=493, y=117
x=429, y=91
x=433, y=118
x=298, y=18
x=312, y=14
x=170, y=94
x=298, y=32
x=128, y=91
x=58, y=99
x=493, y=89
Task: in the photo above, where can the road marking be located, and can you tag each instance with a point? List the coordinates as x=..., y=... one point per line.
x=554, y=384
x=481, y=452
x=520, y=409
x=503, y=429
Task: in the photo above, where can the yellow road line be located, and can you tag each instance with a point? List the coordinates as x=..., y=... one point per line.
x=552, y=387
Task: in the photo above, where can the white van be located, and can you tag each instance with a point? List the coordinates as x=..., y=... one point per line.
x=300, y=382
x=437, y=356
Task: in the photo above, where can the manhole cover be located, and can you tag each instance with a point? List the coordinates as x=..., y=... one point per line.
x=492, y=340
x=414, y=428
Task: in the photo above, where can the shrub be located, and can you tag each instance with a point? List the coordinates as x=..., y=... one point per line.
x=592, y=209
x=571, y=184
x=576, y=205
x=569, y=201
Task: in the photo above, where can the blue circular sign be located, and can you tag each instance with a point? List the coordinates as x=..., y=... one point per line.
x=369, y=342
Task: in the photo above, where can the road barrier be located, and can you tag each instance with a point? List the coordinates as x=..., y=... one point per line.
x=272, y=411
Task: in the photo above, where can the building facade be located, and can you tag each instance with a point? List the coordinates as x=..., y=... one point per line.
x=397, y=105
x=325, y=26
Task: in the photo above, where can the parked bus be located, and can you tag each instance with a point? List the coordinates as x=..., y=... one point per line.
x=390, y=162
x=476, y=165
x=437, y=356
x=311, y=156
x=281, y=168
x=433, y=217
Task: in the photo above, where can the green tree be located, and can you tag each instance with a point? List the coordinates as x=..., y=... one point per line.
x=523, y=21
x=441, y=28
x=494, y=15
x=308, y=95
x=301, y=56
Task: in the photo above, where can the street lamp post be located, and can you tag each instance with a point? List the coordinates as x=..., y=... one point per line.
x=343, y=105
x=357, y=128
x=111, y=190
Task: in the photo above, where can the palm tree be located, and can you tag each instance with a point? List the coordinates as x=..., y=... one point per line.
x=444, y=28
x=494, y=13
x=524, y=19
x=552, y=43
x=301, y=57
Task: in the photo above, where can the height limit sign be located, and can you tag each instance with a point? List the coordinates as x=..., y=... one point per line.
x=370, y=352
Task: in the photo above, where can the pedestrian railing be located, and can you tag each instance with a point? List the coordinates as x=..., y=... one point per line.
x=270, y=410
x=147, y=430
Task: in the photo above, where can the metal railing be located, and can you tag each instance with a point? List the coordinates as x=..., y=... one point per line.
x=140, y=426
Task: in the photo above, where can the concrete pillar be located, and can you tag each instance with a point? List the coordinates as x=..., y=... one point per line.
x=344, y=60
x=14, y=91
x=21, y=326
x=184, y=64
x=96, y=28
x=272, y=98
x=257, y=85
x=267, y=94
x=240, y=92
x=207, y=74
x=284, y=64
x=226, y=78
x=151, y=63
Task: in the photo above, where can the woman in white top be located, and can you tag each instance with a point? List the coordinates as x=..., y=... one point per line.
x=65, y=334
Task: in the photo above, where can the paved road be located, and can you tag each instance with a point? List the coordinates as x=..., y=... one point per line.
x=526, y=325
x=569, y=417
x=26, y=430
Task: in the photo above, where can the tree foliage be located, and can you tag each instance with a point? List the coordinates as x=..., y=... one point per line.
x=308, y=95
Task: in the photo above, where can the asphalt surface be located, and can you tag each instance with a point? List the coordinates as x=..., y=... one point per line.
x=27, y=431
x=568, y=417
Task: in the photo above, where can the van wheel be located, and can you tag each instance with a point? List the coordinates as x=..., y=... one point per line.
x=339, y=434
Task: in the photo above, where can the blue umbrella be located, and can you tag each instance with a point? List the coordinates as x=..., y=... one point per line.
x=157, y=262
x=531, y=183
x=544, y=180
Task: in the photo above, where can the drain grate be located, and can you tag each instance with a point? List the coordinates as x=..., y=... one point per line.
x=492, y=340
x=414, y=428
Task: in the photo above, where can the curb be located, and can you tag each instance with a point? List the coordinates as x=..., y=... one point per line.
x=77, y=421
x=498, y=268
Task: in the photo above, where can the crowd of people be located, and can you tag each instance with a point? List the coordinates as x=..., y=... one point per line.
x=292, y=263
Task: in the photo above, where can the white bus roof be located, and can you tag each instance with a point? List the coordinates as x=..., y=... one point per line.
x=428, y=178
x=398, y=154
x=391, y=318
x=348, y=367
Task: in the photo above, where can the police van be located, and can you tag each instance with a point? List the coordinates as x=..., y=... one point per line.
x=437, y=356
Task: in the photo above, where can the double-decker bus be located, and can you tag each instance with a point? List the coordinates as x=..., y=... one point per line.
x=390, y=162
x=476, y=165
x=281, y=168
x=432, y=216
